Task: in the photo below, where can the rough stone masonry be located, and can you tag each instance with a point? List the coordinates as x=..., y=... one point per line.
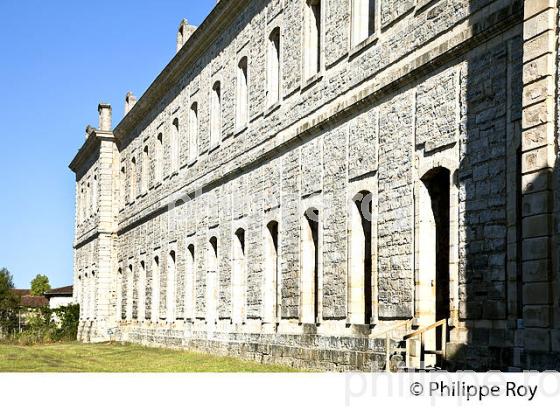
x=312, y=182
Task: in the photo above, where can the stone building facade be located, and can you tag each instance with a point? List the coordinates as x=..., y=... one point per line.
x=316, y=182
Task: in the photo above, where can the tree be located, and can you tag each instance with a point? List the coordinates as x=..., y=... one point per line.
x=9, y=302
x=39, y=285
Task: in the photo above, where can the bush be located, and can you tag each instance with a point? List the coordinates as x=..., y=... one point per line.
x=47, y=325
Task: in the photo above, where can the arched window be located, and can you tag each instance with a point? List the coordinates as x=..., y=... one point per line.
x=170, y=296
x=123, y=187
x=142, y=291
x=239, y=277
x=145, y=170
x=310, y=267
x=124, y=293
x=360, y=263
x=94, y=194
x=216, y=115
x=211, y=281
x=155, y=289
x=135, y=292
x=190, y=280
x=132, y=193
x=159, y=158
x=120, y=295
x=312, y=38
x=174, y=146
x=363, y=20
x=93, y=296
x=88, y=200
x=193, y=132
x=273, y=67
x=271, y=273
x=129, y=292
x=242, y=93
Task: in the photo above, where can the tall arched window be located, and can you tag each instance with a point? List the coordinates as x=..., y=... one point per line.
x=135, y=292
x=130, y=292
x=88, y=200
x=121, y=310
x=159, y=158
x=216, y=115
x=142, y=291
x=363, y=20
x=125, y=295
x=211, y=281
x=360, y=263
x=193, y=132
x=242, y=93
x=145, y=170
x=93, y=296
x=155, y=289
x=271, y=273
x=190, y=280
x=239, y=277
x=310, y=266
x=95, y=193
x=273, y=67
x=174, y=146
x=123, y=187
x=132, y=192
x=312, y=62
x=171, y=269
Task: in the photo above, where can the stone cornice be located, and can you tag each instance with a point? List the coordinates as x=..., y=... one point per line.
x=202, y=38
x=94, y=139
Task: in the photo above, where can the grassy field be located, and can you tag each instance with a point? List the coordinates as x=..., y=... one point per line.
x=75, y=357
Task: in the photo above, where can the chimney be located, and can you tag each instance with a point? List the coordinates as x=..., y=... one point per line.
x=129, y=102
x=105, y=116
x=184, y=33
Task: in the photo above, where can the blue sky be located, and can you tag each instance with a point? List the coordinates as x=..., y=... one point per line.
x=58, y=60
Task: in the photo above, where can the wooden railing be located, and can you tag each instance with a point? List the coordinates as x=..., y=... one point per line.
x=387, y=333
x=419, y=334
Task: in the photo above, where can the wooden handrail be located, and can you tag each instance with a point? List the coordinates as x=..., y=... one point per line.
x=425, y=329
x=383, y=332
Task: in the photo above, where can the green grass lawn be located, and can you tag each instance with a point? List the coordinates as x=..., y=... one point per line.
x=75, y=357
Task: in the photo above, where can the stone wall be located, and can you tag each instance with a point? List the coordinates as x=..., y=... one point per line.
x=439, y=84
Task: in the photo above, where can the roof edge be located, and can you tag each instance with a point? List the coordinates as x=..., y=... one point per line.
x=196, y=45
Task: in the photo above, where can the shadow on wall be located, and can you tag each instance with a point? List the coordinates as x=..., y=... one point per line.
x=505, y=284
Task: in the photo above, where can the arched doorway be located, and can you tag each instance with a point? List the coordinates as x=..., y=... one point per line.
x=433, y=298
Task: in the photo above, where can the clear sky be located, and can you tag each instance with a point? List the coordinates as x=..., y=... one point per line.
x=58, y=60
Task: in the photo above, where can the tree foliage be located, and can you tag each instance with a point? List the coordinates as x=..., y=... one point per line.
x=39, y=285
x=9, y=302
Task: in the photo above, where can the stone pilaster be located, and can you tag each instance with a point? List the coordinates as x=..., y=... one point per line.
x=538, y=161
